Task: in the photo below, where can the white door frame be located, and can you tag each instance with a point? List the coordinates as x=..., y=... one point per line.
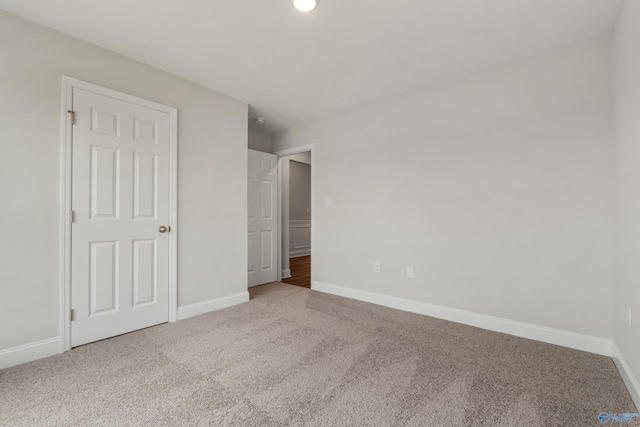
x=68, y=84
x=288, y=152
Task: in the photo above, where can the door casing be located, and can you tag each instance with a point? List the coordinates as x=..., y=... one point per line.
x=68, y=84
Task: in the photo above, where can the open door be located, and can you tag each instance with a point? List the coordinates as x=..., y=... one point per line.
x=262, y=218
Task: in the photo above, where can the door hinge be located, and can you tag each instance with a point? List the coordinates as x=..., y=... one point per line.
x=72, y=315
x=73, y=116
x=71, y=216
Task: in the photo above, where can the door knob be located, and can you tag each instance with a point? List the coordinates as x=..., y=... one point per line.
x=162, y=229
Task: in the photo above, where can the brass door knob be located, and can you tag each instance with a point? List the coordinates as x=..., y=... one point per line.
x=162, y=229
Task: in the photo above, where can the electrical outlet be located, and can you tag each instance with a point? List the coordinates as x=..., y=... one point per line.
x=376, y=267
x=630, y=318
x=410, y=272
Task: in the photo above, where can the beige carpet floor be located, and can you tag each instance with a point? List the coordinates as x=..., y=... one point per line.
x=292, y=356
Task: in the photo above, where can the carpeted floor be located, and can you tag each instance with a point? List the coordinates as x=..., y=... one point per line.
x=292, y=356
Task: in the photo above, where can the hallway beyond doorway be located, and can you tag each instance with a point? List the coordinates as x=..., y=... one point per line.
x=300, y=271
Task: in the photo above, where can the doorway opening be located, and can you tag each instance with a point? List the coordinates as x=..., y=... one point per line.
x=292, y=258
x=296, y=212
x=296, y=219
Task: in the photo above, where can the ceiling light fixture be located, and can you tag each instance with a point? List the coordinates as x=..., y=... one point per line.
x=305, y=5
x=260, y=120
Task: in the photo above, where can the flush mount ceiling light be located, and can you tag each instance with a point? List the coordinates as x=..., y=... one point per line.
x=305, y=5
x=260, y=120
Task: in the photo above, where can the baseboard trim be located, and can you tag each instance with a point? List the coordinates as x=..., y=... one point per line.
x=559, y=337
x=299, y=254
x=632, y=383
x=286, y=273
x=29, y=352
x=212, y=305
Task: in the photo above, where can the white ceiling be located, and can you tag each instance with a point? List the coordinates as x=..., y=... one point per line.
x=294, y=68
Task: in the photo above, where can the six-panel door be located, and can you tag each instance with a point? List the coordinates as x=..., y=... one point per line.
x=262, y=218
x=120, y=198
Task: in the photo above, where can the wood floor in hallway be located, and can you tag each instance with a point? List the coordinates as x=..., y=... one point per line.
x=300, y=271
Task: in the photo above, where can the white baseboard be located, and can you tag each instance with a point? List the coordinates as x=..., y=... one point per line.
x=50, y=347
x=299, y=253
x=212, y=305
x=568, y=339
x=286, y=273
x=29, y=352
x=627, y=375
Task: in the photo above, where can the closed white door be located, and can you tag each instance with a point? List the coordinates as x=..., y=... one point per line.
x=263, y=245
x=120, y=200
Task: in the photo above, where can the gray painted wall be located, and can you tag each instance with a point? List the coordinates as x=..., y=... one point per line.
x=497, y=188
x=212, y=174
x=299, y=191
x=627, y=130
x=259, y=141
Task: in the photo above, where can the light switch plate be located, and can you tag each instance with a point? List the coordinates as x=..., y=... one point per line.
x=410, y=272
